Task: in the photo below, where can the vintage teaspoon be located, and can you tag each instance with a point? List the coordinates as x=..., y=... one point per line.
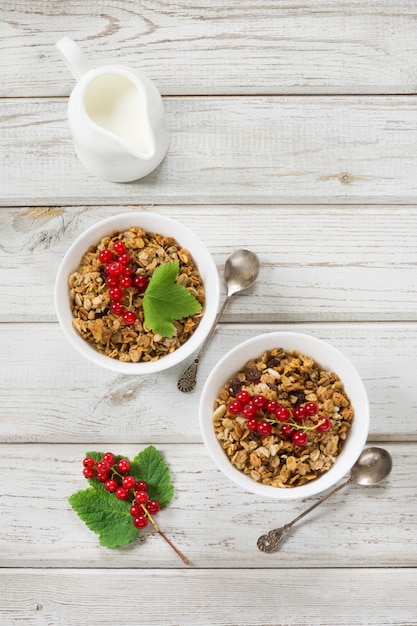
x=372, y=466
x=240, y=272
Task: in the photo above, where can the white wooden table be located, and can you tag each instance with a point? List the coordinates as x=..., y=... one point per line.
x=293, y=133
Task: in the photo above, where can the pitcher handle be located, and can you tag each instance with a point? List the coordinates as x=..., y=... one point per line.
x=73, y=57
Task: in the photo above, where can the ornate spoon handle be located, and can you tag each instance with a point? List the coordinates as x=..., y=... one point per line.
x=270, y=541
x=188, y=379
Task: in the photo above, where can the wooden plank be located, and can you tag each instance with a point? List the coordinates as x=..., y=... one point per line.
x=376, y=597
x=49, y=393
x=254, y=47
x=318, y=263
x=260, y=150
x=213, y=522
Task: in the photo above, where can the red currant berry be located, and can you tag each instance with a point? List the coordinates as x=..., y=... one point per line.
x=125, y=282
x=153, y=506
x=299, y=438
x=105, y=256
x=324, y=424
x=111, y=485
x=129, y=317
x=102, y=477
x=117, y=308
x=260, y=402
x=123, y=466
x=299, y=413
x=128, y=482
x=140, y=282
x=140, y=522
x=127, y=271
x=116, y=294
x=88, y=462
x=234, y=407
x=136, y=510
x=114, y=268
x=287, y=430
x=119, y=247
x=124, y=259
x=121, y=493
x=282, y=414
x=253, y=424
x=140, y=485
x=249, y=411
x=103, y=467
x=141, y=497
x=243, y=397
x=264, y=428
x=311, y=408
x=109, y=457
x=112, y=281
x=272, y=406
x=88, y=472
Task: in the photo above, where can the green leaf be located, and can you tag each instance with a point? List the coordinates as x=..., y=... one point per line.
x=105, y=515
x=109, y=517
x=150, y=466
x=165, y=301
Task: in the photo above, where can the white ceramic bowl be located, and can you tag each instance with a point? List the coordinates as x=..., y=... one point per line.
x=150, y=222
x=330, y=359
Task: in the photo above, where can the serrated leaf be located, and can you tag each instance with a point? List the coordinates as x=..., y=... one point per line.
x=105, y=515
x=165, y=301
x=149, y=465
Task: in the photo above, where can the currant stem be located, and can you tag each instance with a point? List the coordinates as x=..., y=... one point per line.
x=163, y=535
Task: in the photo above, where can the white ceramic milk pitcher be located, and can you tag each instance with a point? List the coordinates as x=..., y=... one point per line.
x=116, y=118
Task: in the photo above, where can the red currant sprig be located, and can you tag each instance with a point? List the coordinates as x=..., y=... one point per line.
x=292, y=422
x=121, y=281
x=116, y=478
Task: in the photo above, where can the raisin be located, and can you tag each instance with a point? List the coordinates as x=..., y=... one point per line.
x=300, y=397
x=234, y=386
x=273, y=362
x=253, y=375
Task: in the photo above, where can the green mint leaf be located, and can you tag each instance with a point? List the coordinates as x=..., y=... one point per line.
x=165, y=301
x=105, y=515
x=150, y=466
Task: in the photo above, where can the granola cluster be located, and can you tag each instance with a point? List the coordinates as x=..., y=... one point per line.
x=292, y=379
x=90, y=300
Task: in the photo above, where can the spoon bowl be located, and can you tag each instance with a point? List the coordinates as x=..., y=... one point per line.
x=240, y=272
x=372, y=466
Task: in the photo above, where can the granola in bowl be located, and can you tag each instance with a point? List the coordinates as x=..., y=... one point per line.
x=282, y=419
x=91, y=296
x=284, y=415
x=161, y=304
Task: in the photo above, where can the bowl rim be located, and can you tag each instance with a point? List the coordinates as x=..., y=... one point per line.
x=308, y=345
x=151, y=222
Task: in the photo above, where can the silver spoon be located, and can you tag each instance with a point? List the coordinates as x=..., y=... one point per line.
x=240, y=272
x=372, y=466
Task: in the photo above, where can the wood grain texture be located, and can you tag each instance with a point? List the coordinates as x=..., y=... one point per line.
x=317, y=263
x=52, y=394
x=259, y=150
x=376, y=597
x=213, y=522
x=252, y=47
